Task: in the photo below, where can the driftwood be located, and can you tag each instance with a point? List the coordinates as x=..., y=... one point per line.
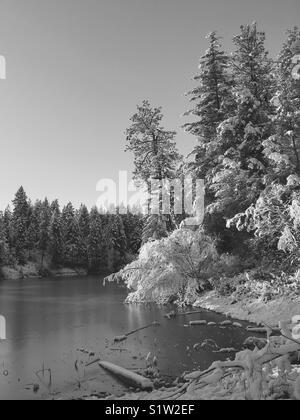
x=201, y=322
x=128, y=376
x=153, y=324
x=174, y=314
x=124, y=337
x=120, y=338
x=189, y=313
x=226, y=324
x=262, y=330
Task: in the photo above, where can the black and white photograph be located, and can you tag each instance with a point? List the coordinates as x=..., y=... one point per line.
x=149, y=203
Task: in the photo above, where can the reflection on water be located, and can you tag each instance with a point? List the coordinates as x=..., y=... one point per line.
x=48, y=321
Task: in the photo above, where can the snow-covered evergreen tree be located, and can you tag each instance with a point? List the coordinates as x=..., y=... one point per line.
x=274, y=217
x=96, y=243
x=43, y=234
x=7, y=224
x=71, y=237
x=133, y=226
x=34, y=226
x=117, y=241
x=4, y=247
x=20, y=225
x=212, y=103
x=155, y=155
x=239, y=176
x=55, y=207
x=282, y=149
x=55, y=238
x=84, y=228
x=84, y=221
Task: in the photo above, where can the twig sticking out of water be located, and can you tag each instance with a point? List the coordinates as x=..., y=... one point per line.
x=120, y=338
x=42, y=371
x=153, y=324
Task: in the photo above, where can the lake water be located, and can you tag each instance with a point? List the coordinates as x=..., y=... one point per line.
x=50, y=322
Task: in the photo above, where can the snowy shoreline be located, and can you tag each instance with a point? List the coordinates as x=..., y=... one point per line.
x=255, y=311
x=31, y=271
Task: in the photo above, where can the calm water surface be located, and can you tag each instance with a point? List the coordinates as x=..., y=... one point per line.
x=50, y=321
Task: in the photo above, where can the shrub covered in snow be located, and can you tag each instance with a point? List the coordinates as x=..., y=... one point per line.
x=250, y=286
x=176, y=268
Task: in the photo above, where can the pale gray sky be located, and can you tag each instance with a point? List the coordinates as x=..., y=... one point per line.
x=77, y=68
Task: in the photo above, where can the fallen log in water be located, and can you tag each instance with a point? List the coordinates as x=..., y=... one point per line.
x=128, y=376
x=226, y=324
x=262, y=330
x=174, y=314
x=153, y=324
x=121, y=338
x=195, y=323
x=190, y=313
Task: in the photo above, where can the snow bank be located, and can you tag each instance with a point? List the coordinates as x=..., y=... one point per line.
x=256, y=311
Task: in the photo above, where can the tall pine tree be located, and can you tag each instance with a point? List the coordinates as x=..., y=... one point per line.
x=95, y=243
x=155, y=158
x=71, y=237
x=84, y=228
x=20, y=225
x=283, y=147
x=118, y=241
x=4, y=248
x=239, y=176
x=212, y=103
x=55, y=238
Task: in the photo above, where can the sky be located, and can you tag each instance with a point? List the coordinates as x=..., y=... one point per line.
x=76, y=69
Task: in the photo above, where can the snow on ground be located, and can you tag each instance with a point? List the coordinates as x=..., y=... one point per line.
x=230, y=387
x=257, y=311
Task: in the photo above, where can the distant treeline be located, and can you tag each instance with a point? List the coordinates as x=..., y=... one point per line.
x=67, y=237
